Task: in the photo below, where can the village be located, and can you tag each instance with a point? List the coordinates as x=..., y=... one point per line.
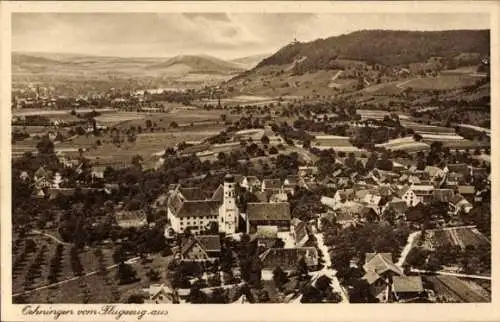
x=303, y=225
x=213, y=158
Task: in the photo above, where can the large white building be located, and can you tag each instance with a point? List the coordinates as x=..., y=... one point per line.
x=189, y=207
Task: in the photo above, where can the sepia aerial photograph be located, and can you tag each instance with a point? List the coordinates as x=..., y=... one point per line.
x=238, y=158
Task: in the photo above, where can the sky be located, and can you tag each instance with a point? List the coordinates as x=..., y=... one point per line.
x=223, y=35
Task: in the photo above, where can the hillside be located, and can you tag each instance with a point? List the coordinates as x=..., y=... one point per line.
x=366, y=59
x=383, y=47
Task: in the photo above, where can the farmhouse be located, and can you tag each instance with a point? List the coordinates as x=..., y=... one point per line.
x=266, y=236
x=408, y=196
x=406, y=288
x=397, y=205
x=344, y=195
x=467, y=191
x=268, y=214
x=127, y=219
x=442, y=195
x=380, y=271
x=460, y=168
x=423, y=192
x=160, y=294
x=458, y=203
x=200, y=248
x=251, y=183
x=271, y=185
x=288, y=258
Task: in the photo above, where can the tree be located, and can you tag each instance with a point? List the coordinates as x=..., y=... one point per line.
x=45, y=146
x=126, y=274
x=389, y=215
x=136, y=299
x=273, y=150
x=174, y=125
x=265, y=140
x=137, y=160
x=323, y=284
x=196, y=296
x=279, y=277
x=311, y=295
x=219, y=296
x=153, y=275
x=302, y=269
x=119, y=255
x=416, y=257
x=149, y=123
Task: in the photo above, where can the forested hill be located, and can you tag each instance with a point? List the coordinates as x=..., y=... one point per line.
x=383, y=47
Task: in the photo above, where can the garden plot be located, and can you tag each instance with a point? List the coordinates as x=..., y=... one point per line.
x=460, y=236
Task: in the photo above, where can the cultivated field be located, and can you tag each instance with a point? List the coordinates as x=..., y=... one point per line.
x=427, y=129
x=335, y=142
x=46, y=112
x=113, y=118
x=45, y=248
x=407, y=144
x=462, y=237
x=97, y=285
x=453, y=289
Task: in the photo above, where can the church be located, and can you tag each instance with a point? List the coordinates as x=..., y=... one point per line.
x=190, y=208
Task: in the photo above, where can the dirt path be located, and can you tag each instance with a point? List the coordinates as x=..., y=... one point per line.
x=57, y=240
x=329, y=271
x=456, y=240
x=400, y=85
x=407, y=248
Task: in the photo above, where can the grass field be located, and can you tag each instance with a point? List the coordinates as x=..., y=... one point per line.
x=181, y=117
x=46, y=112
x=146, y=144
x=194, y=125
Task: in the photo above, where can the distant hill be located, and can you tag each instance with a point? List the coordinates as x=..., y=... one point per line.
x=56, y=68
x=361, y=59
x=249, y=62
x=383, y=47
x=199, y=64
x=19, y=59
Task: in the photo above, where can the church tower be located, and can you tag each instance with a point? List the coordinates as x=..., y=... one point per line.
x=228, y=212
